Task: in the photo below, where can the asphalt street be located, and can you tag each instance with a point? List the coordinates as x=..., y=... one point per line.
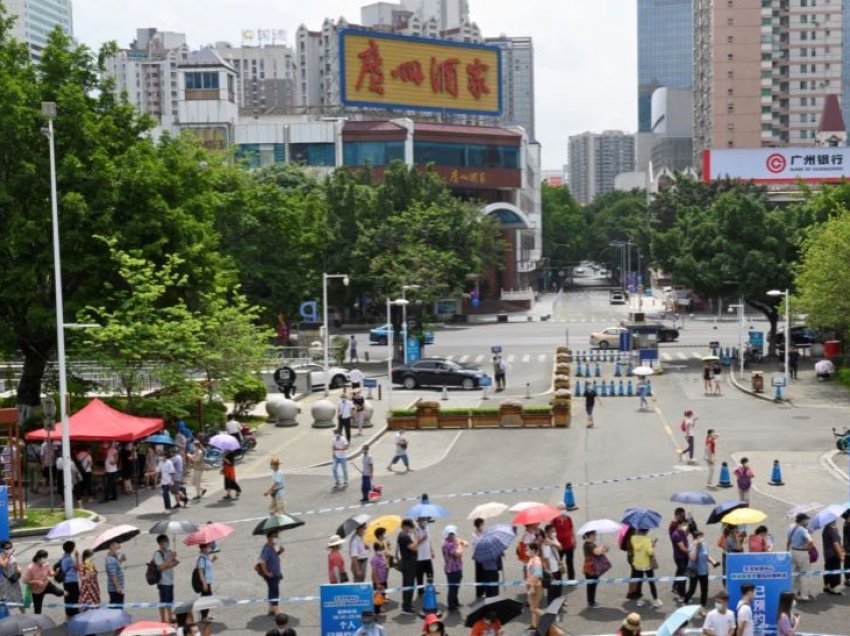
x=633, y=452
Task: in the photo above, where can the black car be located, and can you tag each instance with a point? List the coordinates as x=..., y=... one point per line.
x=667, y=334
x=436, y=372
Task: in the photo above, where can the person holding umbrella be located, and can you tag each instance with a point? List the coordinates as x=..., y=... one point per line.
x=165, y=560
x=228, y=470
x=202, y=575
x=115, y=574
x=453, y=564
x=592, y=552
x=270, y=570
x=488, y=625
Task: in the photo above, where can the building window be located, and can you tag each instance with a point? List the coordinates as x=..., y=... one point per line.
x=466, y=155
x=765, y=92
x=373, y=153
x=318, y=154
x=201, y=81
x=730, y=57
x=730, y=107
x=730, y=39
x=249, y=155
x=804, y=85
x=802, y=68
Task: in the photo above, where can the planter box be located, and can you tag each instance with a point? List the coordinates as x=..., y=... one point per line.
x=561, y=417
x=453, y=421
x=510, y=416
x=402, y=423
x=490, y=420
x=537, y=420
x=427, y=416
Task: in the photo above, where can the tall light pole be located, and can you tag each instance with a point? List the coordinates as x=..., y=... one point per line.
x=391, y=342
x=622, y=246
x=48, y=110
x=325, y=339
x=786, y=294
x=404, y=289
x=740, y=307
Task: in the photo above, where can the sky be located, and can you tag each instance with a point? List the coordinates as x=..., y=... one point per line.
x=585, y=50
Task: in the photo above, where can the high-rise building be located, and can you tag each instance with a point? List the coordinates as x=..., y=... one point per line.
x=36, y=19
x=517, y=81
x=763, y=68
x=265, y=76
x=672, y=129
x=595, y=161
x=665, y=50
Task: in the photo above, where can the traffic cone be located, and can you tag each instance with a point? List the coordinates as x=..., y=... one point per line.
x=594, y=386
x=578, y=370
x=586, y=370
x=629, y=389
x=604, y=389
x=445, y=393
x=617, y=372
x=579, y=392
x=429, y=601
x=725, y=476
x=620, y=390
x=611, y=388
x=629, y=370
x=776, y=475
x=597, y=372
x=569, y=497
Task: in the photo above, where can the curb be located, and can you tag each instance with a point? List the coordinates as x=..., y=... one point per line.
x=40, y=531
x=762, y=396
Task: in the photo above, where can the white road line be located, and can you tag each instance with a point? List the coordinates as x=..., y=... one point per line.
x=451, y=357
x=681, y=355
x=696, y=355
x=541, y=357
x=511, y=358
x=464, y=358
x=479, y=357
x=526, y=358
x=666, y=357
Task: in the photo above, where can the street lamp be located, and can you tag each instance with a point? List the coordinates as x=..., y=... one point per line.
x=48, y=110
x=325, y=340
x=402, y=302
x=741, y=308
x=404, y=289
x=785, y=294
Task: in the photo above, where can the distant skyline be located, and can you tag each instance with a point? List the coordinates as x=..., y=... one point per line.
x=585, y=50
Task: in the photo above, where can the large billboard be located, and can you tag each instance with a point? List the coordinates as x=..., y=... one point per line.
x=388, y=71
x=812, y=164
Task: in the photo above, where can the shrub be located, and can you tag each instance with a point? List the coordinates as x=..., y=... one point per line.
x=484, y=410
x=454, y=411
x=403, y=413
x=252, y=391
x=537, y=410
x=428, y=404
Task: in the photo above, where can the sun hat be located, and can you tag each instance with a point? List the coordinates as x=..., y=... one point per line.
x=632, y=622
x=274, y=461
x=335, y=540
x=450, y=529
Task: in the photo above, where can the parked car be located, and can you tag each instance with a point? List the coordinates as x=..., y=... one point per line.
x=617, y=298
x=607, y=338
x=381, y=335
x=436, y=372
x=666, y=333
x=338, y=375
x=800, y=335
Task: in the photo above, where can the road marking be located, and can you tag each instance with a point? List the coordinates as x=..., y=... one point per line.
x=511, y=358
x=451, y=357
x=681, y=355
x=541, y=357
x=666, y=357
x=526, y=358
x=696, y=356
x=479, y=357
x=463, y=358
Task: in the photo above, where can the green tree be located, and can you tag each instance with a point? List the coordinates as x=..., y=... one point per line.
x=564, y=228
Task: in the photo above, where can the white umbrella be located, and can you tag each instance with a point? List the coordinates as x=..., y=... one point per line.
x=225, y=442
x=71, y=528
x=824, y=366
x=522, y=505
x=807, y=508
x=600, y=526
x=487, y=510
x=643, y=371
x=827, y=516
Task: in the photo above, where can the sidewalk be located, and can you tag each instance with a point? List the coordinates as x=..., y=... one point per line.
x=807, y=391
x=545, y=306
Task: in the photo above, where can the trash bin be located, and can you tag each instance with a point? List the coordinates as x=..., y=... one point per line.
x=831, y=349
x=502, y=318
x=757, y=381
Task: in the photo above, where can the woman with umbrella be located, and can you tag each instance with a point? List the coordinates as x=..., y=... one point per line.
x=269, y=563
x=228, y=469
x=336, y=562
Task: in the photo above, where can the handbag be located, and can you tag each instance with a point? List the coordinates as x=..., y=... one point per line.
x=600, y=564
x=813, y=554
x=27, y=596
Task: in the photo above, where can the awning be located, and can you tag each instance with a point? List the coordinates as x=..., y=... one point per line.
x=98, y=421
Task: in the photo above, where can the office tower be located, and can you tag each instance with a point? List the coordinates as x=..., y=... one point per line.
x=595, y=160
x=36, y=19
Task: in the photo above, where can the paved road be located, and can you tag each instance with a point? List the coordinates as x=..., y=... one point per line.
x=499, y=464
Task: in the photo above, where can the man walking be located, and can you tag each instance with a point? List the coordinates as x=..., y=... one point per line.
x=407, y=550
x=366, y=475
x=590, y=398
x=165, y=559
x=166, y=480
x=70, y=578
x=339, y=452
x=277, y=489
x=352, y=351
x=344, y=411
x=358, y=411
x=355, y=376
x=499, y=369
x=720, y=621
x=400, y=453
x=793, y=363
x=710, y=456
x=798, y=544
x=178, y=488
x=687, y=427
x=744, y=611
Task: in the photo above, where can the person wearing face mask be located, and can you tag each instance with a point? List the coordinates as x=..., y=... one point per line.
x=487, y=626
x=369, y=625
x=681, y=551
x=407, y=547
x=166, y=560
x=10, y=576
x=115, y=575
x=89, y=586
x=453, y=564
x=799, y=543
x=270, y=565
x=433, y=625
x=787, y=620
x=567, y=538
x=204, y=576
x=550, y=553
x=37, y=576
x=698, y=562
x=424, y=556
x=720, y=621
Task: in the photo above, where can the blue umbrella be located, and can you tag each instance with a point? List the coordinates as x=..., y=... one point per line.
x=673, y=622
x=501, y=532
x=98, y=621
x=641, y=518
x=161, y=438
x=828, y=515
x=694, y=498
x=721, y=510
x=427, y=510
x=489, y=548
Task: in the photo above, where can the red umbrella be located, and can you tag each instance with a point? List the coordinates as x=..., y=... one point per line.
x=536, y=514
x=208, y=533
x=120, y=534
x=148, y=628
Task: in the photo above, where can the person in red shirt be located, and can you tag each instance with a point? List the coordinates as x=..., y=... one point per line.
x=567, y=538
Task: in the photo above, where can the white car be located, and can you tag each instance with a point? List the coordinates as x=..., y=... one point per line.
x=607, y=338
x=338, y=375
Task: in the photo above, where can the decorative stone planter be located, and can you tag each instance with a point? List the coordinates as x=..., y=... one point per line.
x=483, y=418
x=562, y=369
x=323, y=413
x=427, y=413
x=510, y=415
x=454, y=418
x=282, y=412
x=561, y=416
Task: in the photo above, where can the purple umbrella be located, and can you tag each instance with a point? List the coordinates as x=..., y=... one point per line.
x=225, y=442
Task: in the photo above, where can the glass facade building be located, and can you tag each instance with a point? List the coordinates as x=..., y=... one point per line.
x=465, y=155
x=665, y=50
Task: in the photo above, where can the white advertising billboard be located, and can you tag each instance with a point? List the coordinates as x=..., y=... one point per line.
x=777, y=165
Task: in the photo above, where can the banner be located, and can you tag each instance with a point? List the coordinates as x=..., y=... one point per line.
x=770, y=573
x=342, y=606
x=777, y=165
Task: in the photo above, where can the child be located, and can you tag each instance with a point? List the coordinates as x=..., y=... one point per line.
x=380, y=571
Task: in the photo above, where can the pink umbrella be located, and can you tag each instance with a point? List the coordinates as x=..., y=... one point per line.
x=536, y=514
x=208, y=533
x=148, y=628
x=120, y=534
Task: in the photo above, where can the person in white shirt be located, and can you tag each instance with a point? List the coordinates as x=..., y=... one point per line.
x=233, y=427
x=400, y=452
x=166, y=473
x=424, y=555
x=358, y=551
x=277, y=489
x=358, y=410
x=344, y=410
x=356, y=377
x=339, y=452
x=744, y=612
x=110, y=466
x=720, y=621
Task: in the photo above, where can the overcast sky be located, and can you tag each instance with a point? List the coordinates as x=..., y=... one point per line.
x=585, y=50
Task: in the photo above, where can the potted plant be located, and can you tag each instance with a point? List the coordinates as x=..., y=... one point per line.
x=510, y=413
x=563, y=350
x=562, y=368
x=484, y=417
x=402, y=419
x=536, y=416
x=426, y=413
x=562, y=382
x=561, y=407
x=453, y=418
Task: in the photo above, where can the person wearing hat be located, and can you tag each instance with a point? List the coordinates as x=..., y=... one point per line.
x=336, y=562
x=798, y=544
x=453, y=564
x=369, y=625
x=433, y=625
x=277, y=489
x=630, y=625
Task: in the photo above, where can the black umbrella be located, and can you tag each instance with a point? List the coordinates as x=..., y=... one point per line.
x=277, y=523
x=24, y=623
x=550, y=616
x=352, y=523
x=505, y=609
x=721, y=510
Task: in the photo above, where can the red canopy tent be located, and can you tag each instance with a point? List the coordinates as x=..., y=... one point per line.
x=98, y=421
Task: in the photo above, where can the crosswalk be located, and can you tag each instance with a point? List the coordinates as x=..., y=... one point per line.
x=538, y=358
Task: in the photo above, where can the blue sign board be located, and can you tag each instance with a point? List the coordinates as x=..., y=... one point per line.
x=342, y=606
x=770, y=573
x=496, y=349
x=757, y=339
x=648, y=354
x=370, y=383
x=309, y=311
x=4, y=513
x=414, y=349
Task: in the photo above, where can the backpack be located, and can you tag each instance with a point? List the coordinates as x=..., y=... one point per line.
x=744, y=479
x=153, y=575
x=59, y=571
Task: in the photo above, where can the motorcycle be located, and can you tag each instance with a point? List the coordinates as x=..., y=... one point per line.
x=842, y=440
x=249, y=439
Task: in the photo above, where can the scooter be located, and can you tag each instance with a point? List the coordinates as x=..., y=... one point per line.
x=842, y=440
x=249, y=439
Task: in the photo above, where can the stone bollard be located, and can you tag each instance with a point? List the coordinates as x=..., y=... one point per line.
x=323, y=413
x=282, y=412
x=368, y=412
